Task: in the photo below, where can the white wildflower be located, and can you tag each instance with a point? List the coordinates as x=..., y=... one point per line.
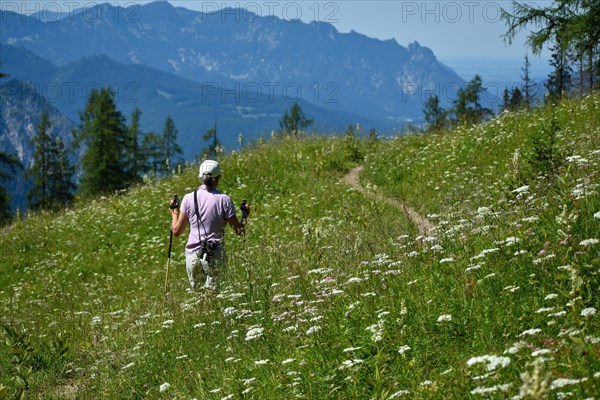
x=399, y=393
x=544, y=310
x=516, y=347
x=551, y=296
x=540, y=352
x=597, y=215
x=522, y=189
x=589, y=242
x=313, y=329
x=535, y=384
x=163, y=388
x=229, y=311
x=254, y=332
x=562, y=382
x=444, y=318
x=248, y=381
x=530, y=332
x=492, y=389
x=349, y=349
x=403, y=349
x=350, y=363
x=493, y=362
x=376, y=330
x=588, y=312
x=483, y=210
x=353, y=280
x=261, y=362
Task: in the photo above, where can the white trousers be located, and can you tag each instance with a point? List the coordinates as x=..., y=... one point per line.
x=199, y=269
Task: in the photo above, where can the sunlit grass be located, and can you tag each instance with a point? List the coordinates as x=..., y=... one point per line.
x=332, y=294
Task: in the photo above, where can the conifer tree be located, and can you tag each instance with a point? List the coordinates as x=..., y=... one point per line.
x=517, y=100
x=294, y=121
x=135, y=154
x=51, y=171
x=467, y=107
x=153, y=154
x=505, y=99
x=528, y=85
x=568, y=26
x=173, y=152
x=215, y=143
x=435, y=115
x=8, y=166
x=102, y=130
x=559, y=80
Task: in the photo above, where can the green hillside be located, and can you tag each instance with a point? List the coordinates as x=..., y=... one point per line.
x=333, y=293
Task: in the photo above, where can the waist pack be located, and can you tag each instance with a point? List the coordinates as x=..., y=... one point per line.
x=207, y=249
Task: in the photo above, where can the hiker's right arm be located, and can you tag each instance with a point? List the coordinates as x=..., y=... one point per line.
x=178, y=221
x=237, y=225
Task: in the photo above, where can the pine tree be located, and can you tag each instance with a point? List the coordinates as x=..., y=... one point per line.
x=62, y=171
x=559, y=80
x=8, y=166
x=505, y=99
x=517, y=101
x=435, y=115
x=528, y=85
x=153, y=153
x=215, y=144
x=102, y=130
x=135, y=156
x=173, y=151
x=569, y=27
x=294, y=121
x=467, y=107
x=37, y=197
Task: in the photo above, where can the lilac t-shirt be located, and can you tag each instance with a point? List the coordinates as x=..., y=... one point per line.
x=215, y=209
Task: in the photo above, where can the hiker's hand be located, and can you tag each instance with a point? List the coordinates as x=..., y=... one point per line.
x=245, y=207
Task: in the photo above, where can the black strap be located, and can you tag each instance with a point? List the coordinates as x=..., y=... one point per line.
x=198, y=215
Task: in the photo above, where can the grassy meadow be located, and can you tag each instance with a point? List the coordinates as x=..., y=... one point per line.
x=332, y=294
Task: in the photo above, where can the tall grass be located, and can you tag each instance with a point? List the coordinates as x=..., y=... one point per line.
x=331, y=294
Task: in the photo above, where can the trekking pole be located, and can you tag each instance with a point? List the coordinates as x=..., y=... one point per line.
x=245, y=211
x=245, y=207
x=168, y=264
x=174, y=205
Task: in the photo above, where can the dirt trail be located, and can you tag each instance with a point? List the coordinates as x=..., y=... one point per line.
x=424, y=226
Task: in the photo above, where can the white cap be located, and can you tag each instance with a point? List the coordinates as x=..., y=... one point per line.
x=210, y=168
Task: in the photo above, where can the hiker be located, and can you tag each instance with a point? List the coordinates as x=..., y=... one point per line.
x=208, y=212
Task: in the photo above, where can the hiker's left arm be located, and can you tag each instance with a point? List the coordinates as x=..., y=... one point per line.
x=237, y=226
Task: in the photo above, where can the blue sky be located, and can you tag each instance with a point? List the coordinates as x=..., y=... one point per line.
x=464, y=34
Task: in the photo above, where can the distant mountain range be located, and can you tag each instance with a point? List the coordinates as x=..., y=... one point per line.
x=253, y=55
x=192, y=105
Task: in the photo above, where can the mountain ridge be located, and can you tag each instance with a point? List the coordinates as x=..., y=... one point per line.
x=376, y=78
x=158, y=94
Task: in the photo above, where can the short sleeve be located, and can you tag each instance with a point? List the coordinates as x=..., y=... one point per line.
x=228, y=207
x=185, y=205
